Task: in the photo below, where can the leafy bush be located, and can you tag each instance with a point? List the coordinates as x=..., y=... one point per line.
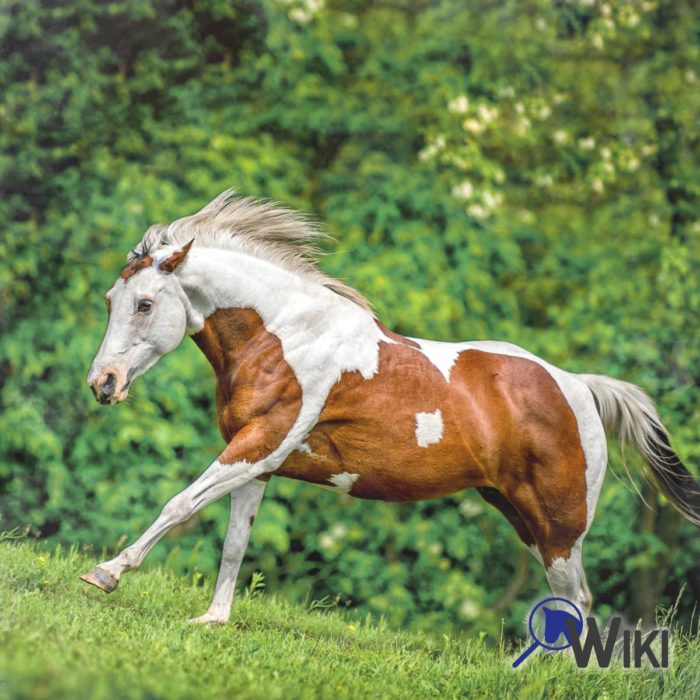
x=517, y=170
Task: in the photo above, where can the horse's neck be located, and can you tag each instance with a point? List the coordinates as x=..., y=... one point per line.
x=322, y=334
x=226, y=340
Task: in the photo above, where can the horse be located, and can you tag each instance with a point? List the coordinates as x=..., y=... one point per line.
x=312, y=386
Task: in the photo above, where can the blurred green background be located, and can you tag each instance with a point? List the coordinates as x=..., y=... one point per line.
x=524, y=171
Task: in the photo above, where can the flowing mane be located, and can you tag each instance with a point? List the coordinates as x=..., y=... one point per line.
x=262, y=228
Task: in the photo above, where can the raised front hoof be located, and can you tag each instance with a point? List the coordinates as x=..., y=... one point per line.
x=207, y=619
x=102, y=579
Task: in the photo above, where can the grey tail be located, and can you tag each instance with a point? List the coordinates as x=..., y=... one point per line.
x=628, y=412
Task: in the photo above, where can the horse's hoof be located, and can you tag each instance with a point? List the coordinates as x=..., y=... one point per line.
x=101, y=579
x=207, y=619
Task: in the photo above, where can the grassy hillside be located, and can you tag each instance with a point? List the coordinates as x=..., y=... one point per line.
x=59, y=639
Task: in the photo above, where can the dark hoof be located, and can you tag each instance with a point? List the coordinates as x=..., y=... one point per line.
x=101, y=579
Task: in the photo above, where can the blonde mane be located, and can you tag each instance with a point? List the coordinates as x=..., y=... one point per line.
x=265, y=229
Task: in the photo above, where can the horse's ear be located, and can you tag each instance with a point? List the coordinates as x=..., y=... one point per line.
x=170, y=263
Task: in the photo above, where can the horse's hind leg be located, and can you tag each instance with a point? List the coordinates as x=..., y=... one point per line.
x=495, y=498
x=557, y=505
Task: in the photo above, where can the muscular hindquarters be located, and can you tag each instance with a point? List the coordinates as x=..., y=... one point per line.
x=540, y=468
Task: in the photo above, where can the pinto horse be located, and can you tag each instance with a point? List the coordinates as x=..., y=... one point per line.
x=311, y=386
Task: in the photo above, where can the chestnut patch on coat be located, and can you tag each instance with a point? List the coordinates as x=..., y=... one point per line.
x=258, y=396
x=506, y=427
x=138, y=263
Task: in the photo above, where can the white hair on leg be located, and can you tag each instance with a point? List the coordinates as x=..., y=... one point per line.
x=245, y=502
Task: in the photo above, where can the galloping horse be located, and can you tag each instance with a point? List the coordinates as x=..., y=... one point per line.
x=311, y=386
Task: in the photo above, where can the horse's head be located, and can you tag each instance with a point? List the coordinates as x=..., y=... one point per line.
x=147, y=319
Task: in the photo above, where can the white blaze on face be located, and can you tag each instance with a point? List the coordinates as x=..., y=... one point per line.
x=344, y=482
x=429, y=428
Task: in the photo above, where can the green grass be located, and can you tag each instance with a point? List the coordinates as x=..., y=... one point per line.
x=61, y=639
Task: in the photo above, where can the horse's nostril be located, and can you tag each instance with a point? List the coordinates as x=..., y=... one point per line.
x=109, y=384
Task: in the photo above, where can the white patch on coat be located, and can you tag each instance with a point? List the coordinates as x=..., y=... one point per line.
x=441, y=355
x=567, y=579
x=429, y=428
x=304, y=447
x=344, y=482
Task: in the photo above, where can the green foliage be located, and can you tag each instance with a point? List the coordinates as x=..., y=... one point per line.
x=515, y=170
x=64, y=641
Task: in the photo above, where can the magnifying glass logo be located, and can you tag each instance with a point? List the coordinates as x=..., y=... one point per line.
x=557, y=619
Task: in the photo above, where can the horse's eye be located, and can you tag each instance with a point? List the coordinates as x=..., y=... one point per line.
x=144, y=306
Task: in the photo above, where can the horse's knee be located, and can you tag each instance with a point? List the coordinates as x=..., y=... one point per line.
x=177, y=509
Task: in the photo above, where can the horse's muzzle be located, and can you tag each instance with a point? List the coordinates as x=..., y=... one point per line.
x=105, y=387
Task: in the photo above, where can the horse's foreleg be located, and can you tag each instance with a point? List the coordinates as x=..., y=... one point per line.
x=245, y=502
x=231, y=471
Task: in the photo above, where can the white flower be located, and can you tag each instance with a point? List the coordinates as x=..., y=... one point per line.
x=597, y=41
x=605, y=10
x=519, y=107
x=469, y=610
x=492, y=199
x=597, y=185
x=326, y=541
x=606, y=153
x=632, y=164
x=608, y=168
x=470, y=508
x=314, y=6
x=544, y=180
x=460, y=105
x=560, y=136
x=427, y=153
x=690, y=76
x=473, y=125
x=540, y=24
x=339, y=530
x=654, y=219
x=464, y=190
x=299, y=15
x=477, y=211
x=586, y=144
x=488, y=114
x=544, y=112
x=632, y=19
x=523, y=126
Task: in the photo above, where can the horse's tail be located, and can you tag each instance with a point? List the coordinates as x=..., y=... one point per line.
x=629, y=412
